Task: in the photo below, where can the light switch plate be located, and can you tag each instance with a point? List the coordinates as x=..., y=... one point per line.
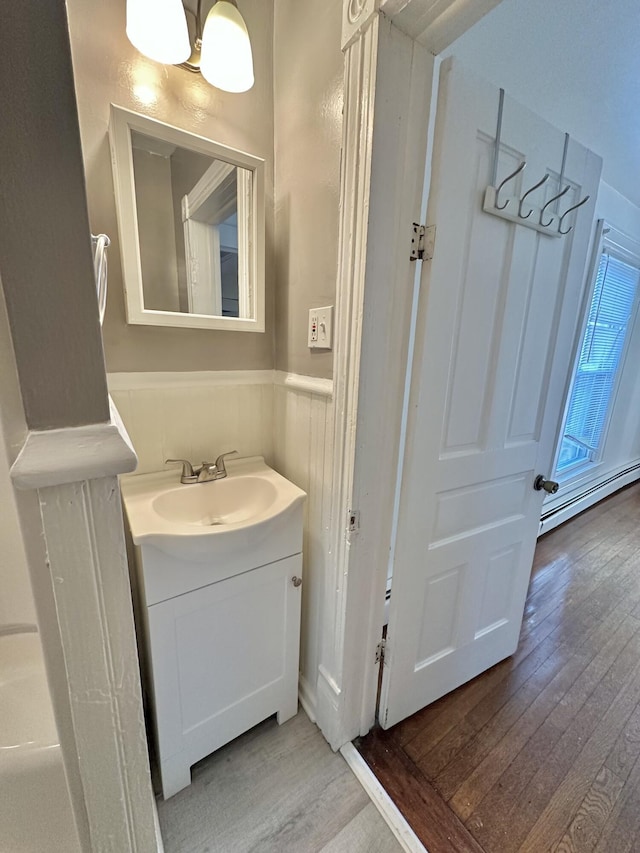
x=320, y=334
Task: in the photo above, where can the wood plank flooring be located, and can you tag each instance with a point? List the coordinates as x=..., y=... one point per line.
x=276, y=789
x=542, y=752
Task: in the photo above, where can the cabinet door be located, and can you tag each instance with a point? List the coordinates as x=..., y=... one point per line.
x=225, y=657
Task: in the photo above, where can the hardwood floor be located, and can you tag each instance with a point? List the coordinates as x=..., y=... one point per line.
x=542, y=752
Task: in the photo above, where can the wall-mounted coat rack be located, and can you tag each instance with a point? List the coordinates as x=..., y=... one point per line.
x=498, y=202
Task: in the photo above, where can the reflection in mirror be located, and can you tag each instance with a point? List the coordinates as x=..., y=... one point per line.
x=187, y=207
x=191, y=223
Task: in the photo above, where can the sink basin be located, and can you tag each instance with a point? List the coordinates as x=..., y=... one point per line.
x=232, y=500
x=215, y=521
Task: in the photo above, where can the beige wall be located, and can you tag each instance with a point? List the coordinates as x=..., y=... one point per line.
x=45, y=248
x=25, y=582
x=16, y=598
x=308, y=72
x=109, y=70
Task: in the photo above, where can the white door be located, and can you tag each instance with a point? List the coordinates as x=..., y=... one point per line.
x=496, y=320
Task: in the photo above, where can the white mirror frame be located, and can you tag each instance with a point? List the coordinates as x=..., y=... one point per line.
x=122, y=123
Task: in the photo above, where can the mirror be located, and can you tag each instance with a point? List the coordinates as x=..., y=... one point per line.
x=191, y=225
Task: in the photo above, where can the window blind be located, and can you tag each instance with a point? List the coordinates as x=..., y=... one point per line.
x=599, y=361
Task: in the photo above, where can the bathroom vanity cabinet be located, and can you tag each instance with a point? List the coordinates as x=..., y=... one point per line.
x=221, y=632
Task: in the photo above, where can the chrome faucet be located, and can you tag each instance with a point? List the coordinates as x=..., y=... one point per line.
x=203, y=473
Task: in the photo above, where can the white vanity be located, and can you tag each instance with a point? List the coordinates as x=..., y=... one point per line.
x=219, y=569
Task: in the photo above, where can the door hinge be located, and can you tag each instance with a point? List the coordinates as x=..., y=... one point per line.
x=423, y=239
x=380, y=650
x=353, y=521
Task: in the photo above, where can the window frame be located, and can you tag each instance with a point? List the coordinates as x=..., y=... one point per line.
x=610, y=240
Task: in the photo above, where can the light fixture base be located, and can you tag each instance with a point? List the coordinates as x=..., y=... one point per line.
x=193, y=63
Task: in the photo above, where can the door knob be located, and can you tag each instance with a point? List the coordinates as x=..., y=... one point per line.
x=549, y=486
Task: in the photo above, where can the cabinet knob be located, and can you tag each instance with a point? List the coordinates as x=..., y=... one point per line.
x=296, y=581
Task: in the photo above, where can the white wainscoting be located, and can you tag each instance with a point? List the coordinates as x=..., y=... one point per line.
x=195, y=416
x=284, y=417
x=303, y=453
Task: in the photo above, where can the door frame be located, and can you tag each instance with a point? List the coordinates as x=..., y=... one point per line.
x=390, y=73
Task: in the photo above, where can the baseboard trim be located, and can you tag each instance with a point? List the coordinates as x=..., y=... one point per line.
x=156, y=821
x=307, y=698
x=328, y=704
x=394, y=819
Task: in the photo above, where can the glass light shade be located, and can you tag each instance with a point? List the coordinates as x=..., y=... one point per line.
x=226, y=61
x=158, y=29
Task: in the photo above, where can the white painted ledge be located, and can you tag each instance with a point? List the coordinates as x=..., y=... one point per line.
x=209, y=378
x=57, y=456
x=392, y=815
x=189, y=379
x=309, y=384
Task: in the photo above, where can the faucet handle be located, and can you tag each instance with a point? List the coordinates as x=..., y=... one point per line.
x=187, y=467
x=220, y=461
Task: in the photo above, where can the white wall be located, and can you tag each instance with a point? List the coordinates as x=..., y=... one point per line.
x=195, y=416
x=303, y=452
x=618, y=210
x=576, y=63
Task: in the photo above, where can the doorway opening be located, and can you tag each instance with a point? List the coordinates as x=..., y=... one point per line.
x=542, y=751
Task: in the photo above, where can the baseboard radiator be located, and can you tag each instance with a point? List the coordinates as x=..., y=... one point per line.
x=588, y=496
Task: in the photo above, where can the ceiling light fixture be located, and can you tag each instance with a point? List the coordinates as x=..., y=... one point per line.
x=221, y=51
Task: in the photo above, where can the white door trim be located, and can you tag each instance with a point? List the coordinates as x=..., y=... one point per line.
x=436, y=25
x=359, y=94
x=365, y=444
